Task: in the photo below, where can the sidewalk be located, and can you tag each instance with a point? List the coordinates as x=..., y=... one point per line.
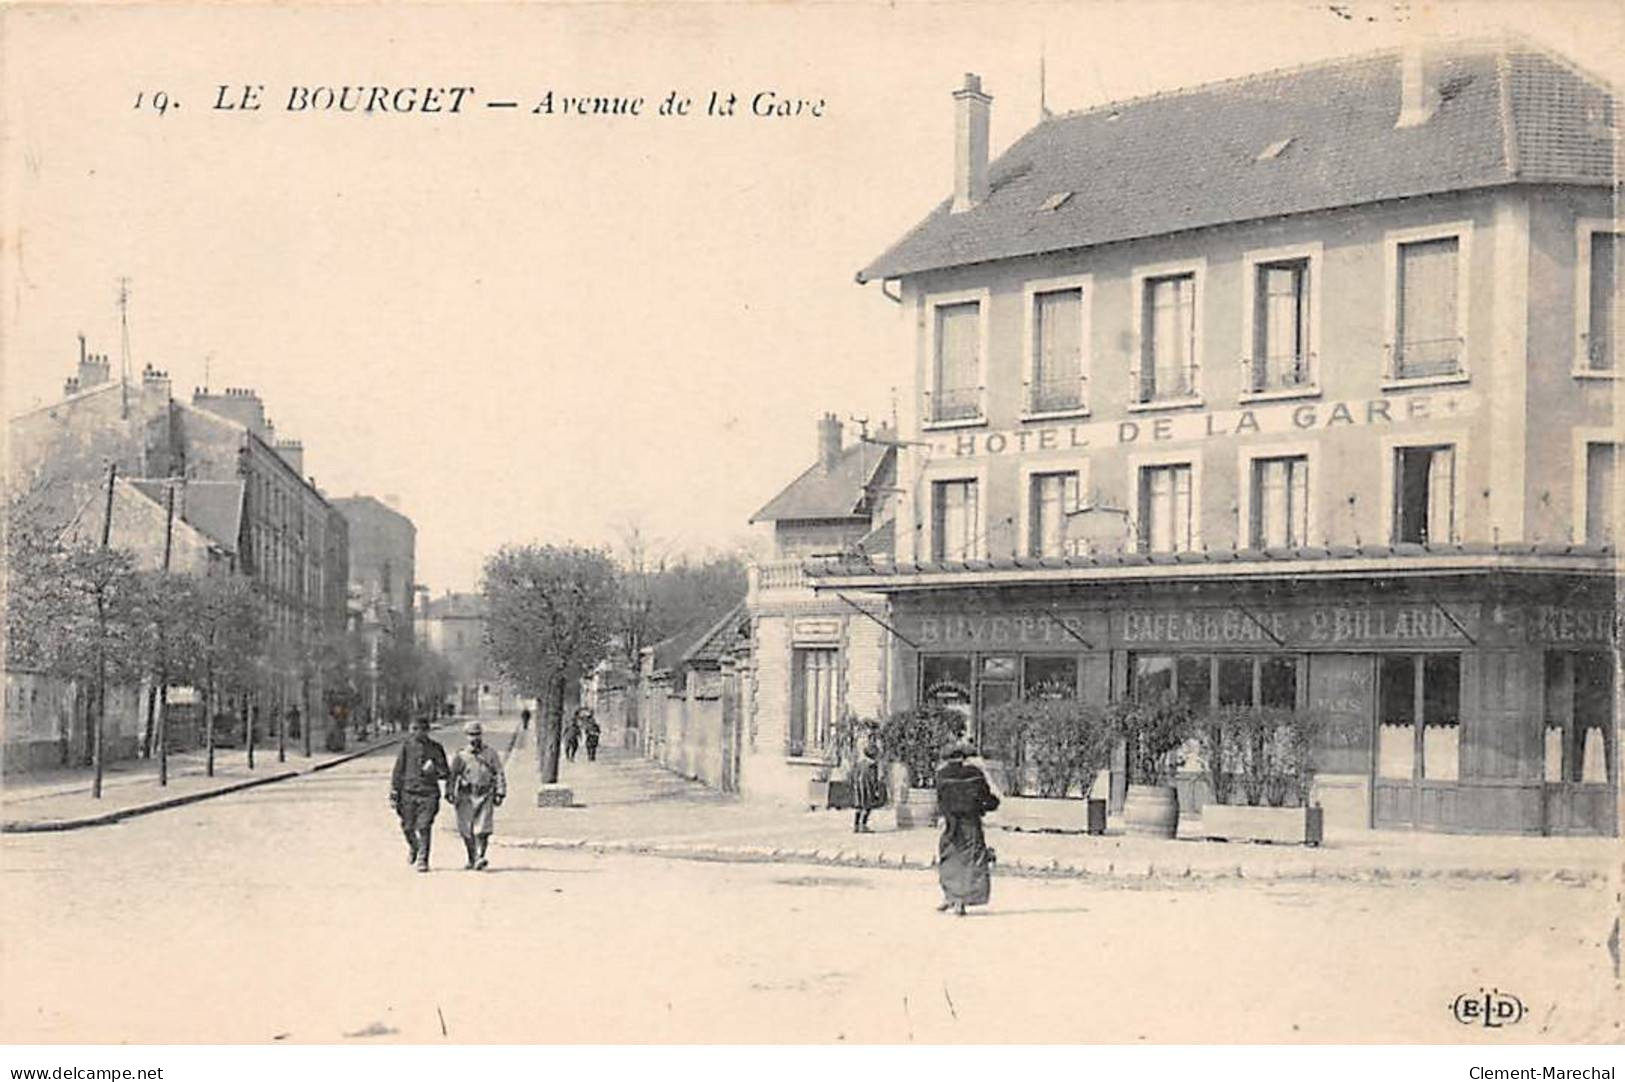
x=61, y=799
x=626, y=804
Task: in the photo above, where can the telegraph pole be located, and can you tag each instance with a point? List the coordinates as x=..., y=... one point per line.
x=163, y=646
x=101, y=641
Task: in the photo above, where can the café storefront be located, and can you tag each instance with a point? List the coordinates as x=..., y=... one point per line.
x=1466, y=703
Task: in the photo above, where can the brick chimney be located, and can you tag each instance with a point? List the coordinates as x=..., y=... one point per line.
x=293, y=453
x=829, y=441
x=93, y=368
x=971, y=110
x=1418, y=95
x=239, y=404
x=155, y=384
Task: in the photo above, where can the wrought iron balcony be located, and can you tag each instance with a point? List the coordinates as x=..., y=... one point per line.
x=1166, y=383
x=1424, y=358
x=1287, y=372
x=954, y=404
x=1055, y=395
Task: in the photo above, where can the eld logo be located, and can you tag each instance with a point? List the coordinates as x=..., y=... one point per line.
x=1492, y=1009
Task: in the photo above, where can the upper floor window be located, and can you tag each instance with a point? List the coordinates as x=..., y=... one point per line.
x=1166, y=522
x=956, y=379
x=1601, y=302
x=1050, y=498
x=1600, y=481
x=1280, y=502
x=1168, y=338
x=954, y=517
x=1056, y=369
x=1281, y=358
x=1424, y=494
x=1428, y=309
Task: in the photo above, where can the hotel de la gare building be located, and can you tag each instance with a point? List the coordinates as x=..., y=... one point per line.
x=1295, y=390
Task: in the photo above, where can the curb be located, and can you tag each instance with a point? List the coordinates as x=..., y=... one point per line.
x=44, y=826
x=1138, y=870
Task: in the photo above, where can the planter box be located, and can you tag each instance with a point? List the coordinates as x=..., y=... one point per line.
x=916, y=808
x=1287, y=826
x=1054, y=814
x=830, y=793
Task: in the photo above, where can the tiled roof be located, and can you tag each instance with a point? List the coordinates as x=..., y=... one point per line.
x=841, y=492
x=720, y=639
x=1187, y=159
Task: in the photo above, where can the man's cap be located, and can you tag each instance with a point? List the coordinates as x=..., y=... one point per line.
x=473, y=728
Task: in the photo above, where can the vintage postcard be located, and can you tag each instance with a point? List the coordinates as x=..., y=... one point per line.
x=813, y=523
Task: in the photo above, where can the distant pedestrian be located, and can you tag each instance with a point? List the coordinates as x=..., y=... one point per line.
x=589, y=726
x=572, y=737
x=868, y=793
x=477, y=787
x=963, y=856
x=414, y=790
x=524, y=720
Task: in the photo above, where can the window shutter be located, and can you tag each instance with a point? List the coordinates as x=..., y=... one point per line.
x=1442, y=496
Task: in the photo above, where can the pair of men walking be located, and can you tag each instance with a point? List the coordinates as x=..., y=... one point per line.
x=475, y=786
x=583, y=724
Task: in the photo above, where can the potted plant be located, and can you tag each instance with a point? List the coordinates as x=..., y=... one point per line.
x=1270, y=752
x=912, y=742
x=1152, y=728
x=1049, y=748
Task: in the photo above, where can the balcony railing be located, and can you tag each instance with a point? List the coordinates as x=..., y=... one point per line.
x=1424, y=358
x=1288, y=372
x=954, y=404
x=780, y=575
x=1166, y=383
x=1055, y=395
x=1599, y=350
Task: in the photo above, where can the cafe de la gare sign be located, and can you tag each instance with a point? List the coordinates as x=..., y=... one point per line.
x=1189, y=426
x=1323, y=626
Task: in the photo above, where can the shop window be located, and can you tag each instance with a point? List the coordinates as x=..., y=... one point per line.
x=1419, y=716
x=1051, y=497
x=813, y=701
x=1165, y=521
x=1049, y=678
x=1153, y=676
x=1235, y=681
x=1424, y=494
x=1427, y=335
x=1057, y=363
x=956, y=392
x=1168, y=338
x=1206, y=681
x=1280, y=344
x=1600, y=481
x=945, y=682
x=1579, y=742
x=954, y=515
x=1280, y=502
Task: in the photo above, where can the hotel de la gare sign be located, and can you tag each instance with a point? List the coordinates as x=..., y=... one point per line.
x=1194, y=425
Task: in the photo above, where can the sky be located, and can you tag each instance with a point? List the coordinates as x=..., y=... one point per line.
x=531, y=327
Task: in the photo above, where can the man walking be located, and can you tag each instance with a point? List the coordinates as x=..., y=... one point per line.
x=476, y=788
x=589, y=727
x=414, y=790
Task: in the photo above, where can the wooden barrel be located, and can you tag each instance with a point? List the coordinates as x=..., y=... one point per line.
x=1151, y=810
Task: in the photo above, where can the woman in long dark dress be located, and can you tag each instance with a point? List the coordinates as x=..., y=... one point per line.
x=867, y=791
x=964, y=796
